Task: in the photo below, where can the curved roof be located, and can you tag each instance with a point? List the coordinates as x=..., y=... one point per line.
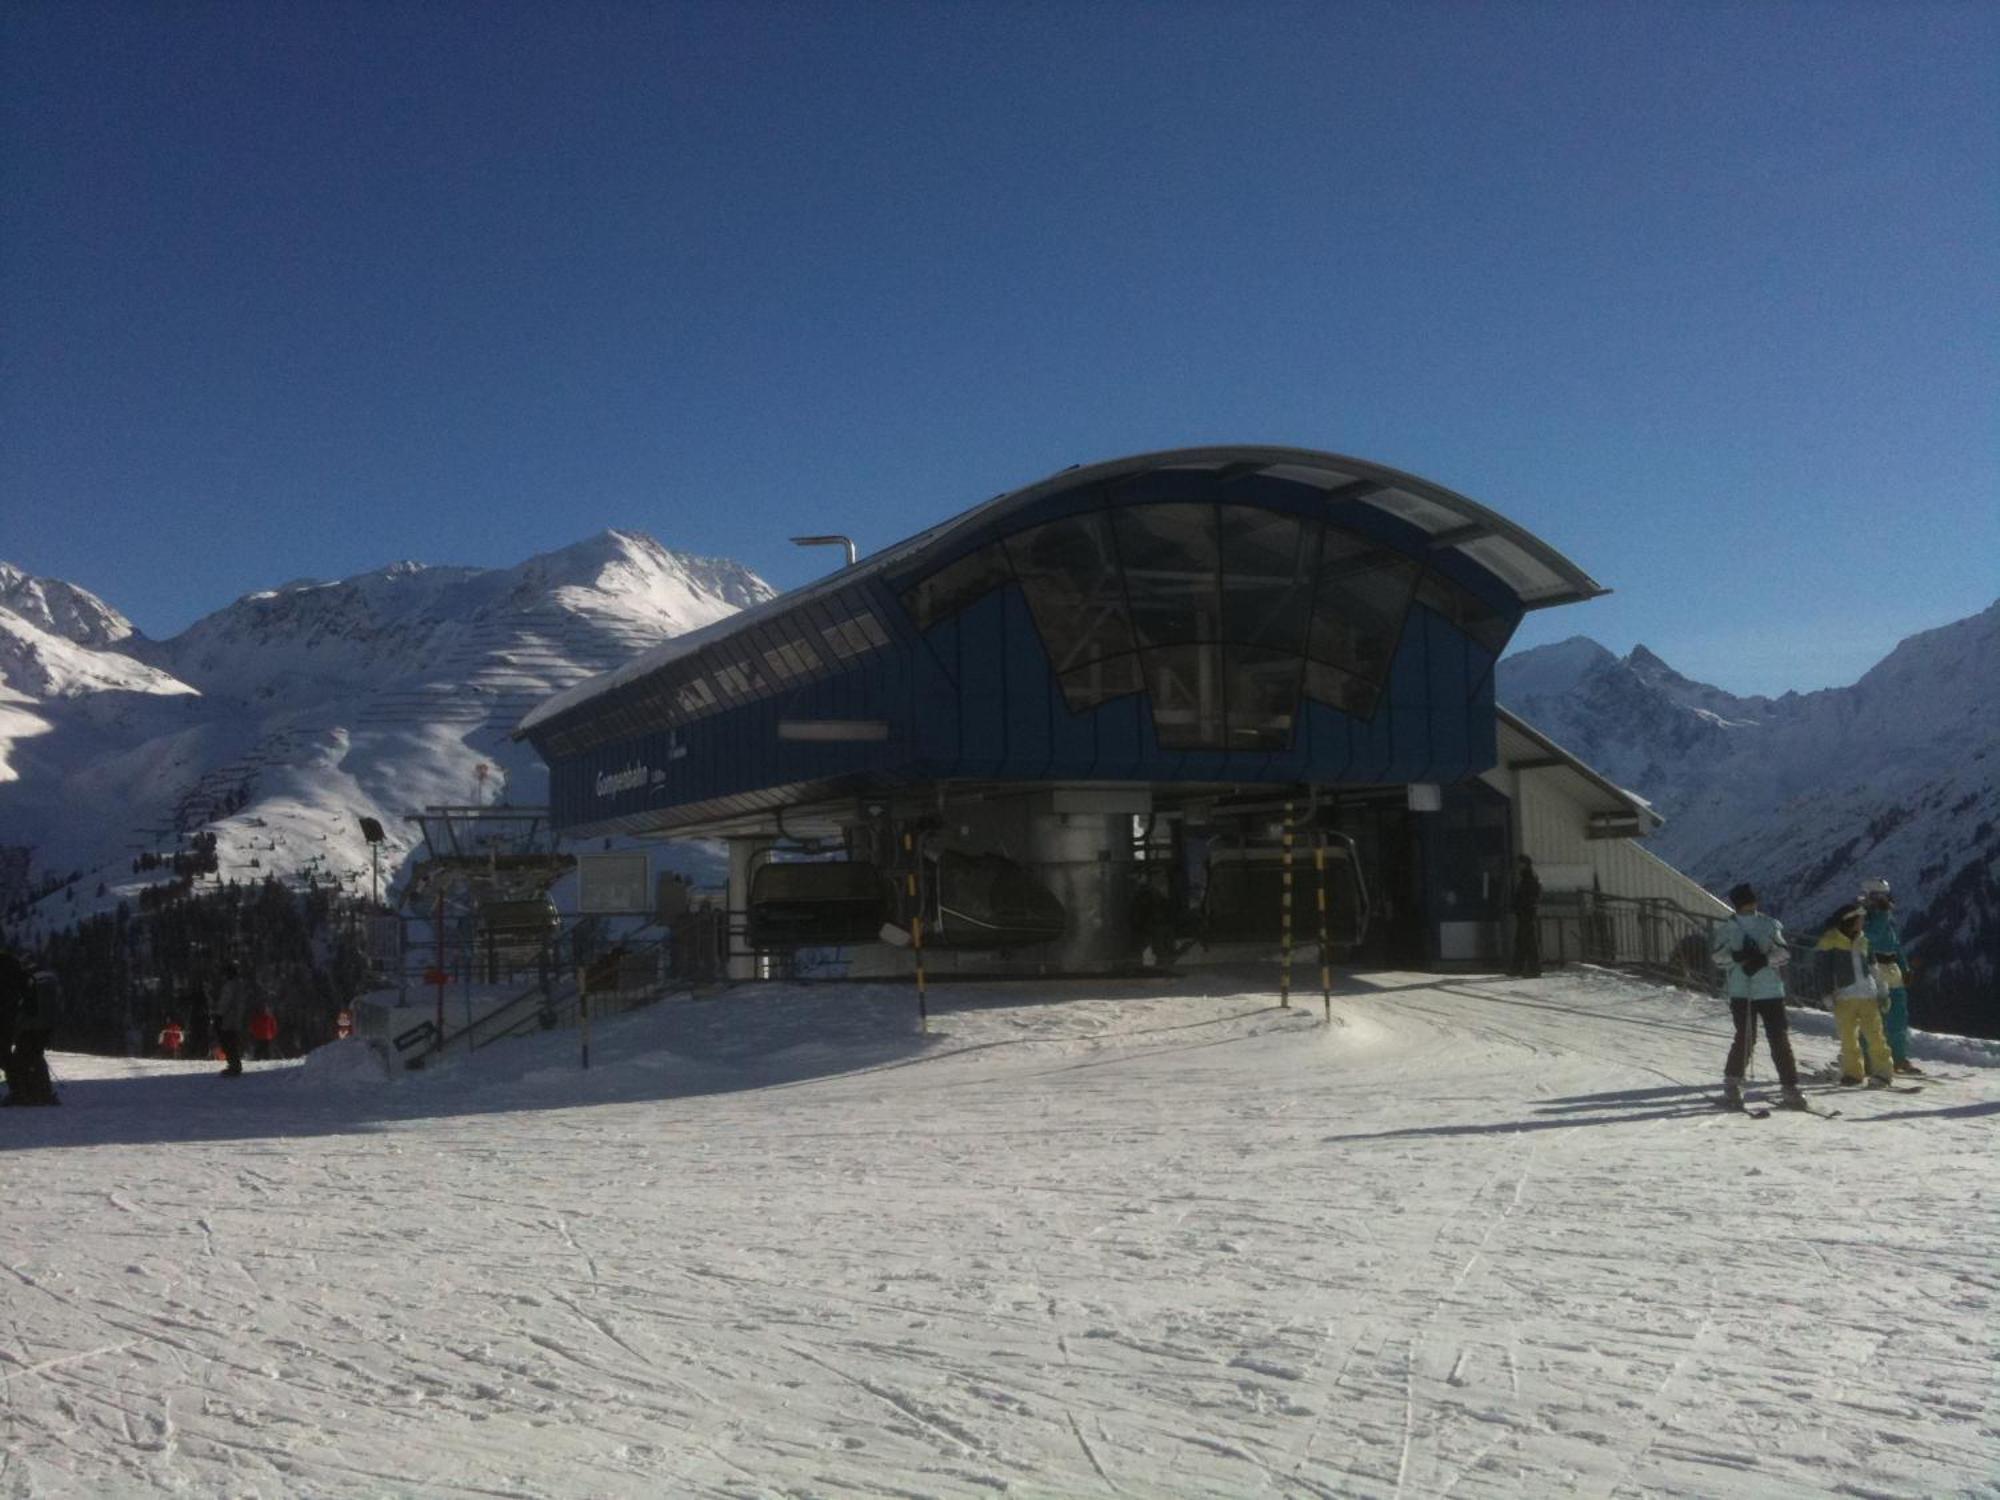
x=1521, y=563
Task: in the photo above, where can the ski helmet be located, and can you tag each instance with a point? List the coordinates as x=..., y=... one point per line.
x=1876, y=887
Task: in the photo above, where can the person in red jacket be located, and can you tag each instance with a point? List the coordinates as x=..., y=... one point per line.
x=171, y=1038
x=263, y=1031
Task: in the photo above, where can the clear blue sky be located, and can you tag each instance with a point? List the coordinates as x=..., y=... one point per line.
x=1703, y=294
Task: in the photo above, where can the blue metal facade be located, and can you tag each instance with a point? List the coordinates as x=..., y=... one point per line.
x=973, y=694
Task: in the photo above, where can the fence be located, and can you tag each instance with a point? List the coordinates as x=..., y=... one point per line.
x=1650, y=933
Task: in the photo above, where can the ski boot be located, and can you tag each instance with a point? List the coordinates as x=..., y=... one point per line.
x=1906, y=1066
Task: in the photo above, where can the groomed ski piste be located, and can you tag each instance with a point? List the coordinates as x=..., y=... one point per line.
x=1476, y=1237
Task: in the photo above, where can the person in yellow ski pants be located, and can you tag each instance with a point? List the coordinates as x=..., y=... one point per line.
x=1848, y=973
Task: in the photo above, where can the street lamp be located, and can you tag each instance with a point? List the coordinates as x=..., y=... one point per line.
x=827, y=541
x=371, y=830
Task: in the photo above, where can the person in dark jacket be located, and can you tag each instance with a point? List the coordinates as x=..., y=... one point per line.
x=1527, y=922
x=201, y=1020
x=28, y=1079
x=14, y=995
x=232, y=1014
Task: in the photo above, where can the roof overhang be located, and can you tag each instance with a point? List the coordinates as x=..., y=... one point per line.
x=1611, y=811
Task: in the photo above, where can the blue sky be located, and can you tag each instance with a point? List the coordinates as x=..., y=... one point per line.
x=1705, y=295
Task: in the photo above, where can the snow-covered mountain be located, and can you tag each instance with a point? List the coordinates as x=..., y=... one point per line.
x=1809, y=794
x=61, y=608
x=280, y=719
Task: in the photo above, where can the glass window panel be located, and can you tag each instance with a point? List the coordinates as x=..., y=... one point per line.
x=1185, y=683
x=802, y=655
x=1332, y=686
x=956, y=585
x=1268, y=561
x=1363, y=595
x=1070, y=578
x=1263, y=689
x=871, y=628
x=1466, y=610
x=1172, y=571
x=734, y=684
x=1434, y=516
x=1102, y=680
x=694, y=696
x=1523, y=572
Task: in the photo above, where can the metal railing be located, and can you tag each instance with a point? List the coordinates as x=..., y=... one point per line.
x=1649, y=933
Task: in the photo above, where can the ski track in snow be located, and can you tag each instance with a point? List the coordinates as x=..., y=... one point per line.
x=1478, y=1238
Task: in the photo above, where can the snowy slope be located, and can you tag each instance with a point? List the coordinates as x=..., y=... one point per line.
x=1478, y=1238
x=1809, y=794
x=320, y=702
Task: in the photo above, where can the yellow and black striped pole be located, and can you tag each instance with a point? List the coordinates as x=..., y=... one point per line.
x=1325, y=962
x=1285, y=962
x=915, y=891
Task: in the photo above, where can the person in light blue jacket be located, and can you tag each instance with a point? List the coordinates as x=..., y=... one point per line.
x=1751, y=948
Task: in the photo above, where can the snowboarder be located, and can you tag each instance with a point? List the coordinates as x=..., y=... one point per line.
x=1751, y=947
x=263, y=1031
x=1527, y=922
x=1847, y=973
x=1892, y=966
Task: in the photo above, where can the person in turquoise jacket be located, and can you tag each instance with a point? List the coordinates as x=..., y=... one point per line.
x=1892, y=962
x=1751, y=948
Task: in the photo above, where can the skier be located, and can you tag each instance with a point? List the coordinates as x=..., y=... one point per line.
x=1892, y=965
x=263, y=1031
x=1527, y=922
x=171, y=1038
x=1751, y=947
x=1848, y=974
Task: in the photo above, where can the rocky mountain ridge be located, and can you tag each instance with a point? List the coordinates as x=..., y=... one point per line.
x=1808, y=794
x=280, y=719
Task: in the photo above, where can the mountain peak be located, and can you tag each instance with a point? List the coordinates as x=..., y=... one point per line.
x=62, y=609
x=1553, y=670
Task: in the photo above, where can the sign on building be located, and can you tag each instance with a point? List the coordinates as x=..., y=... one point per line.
x=613, y=884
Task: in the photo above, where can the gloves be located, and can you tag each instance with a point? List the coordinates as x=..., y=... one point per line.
x=1750, y=958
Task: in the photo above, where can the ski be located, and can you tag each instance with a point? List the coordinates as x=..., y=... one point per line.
x=1738, y=1107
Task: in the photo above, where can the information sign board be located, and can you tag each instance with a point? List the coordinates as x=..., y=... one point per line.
x=613, y=884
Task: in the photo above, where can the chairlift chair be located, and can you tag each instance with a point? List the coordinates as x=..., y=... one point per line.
x=1244, y=900
x=987, y=901
x=829, y=904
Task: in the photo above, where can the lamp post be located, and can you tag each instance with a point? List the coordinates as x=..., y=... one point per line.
x=827, y=541
x=371, y=830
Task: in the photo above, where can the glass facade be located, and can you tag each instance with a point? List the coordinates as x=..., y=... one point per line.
x=1225, y=616
x=815, y=640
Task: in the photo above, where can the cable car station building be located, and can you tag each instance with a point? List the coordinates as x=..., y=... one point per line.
x=1079, y=721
